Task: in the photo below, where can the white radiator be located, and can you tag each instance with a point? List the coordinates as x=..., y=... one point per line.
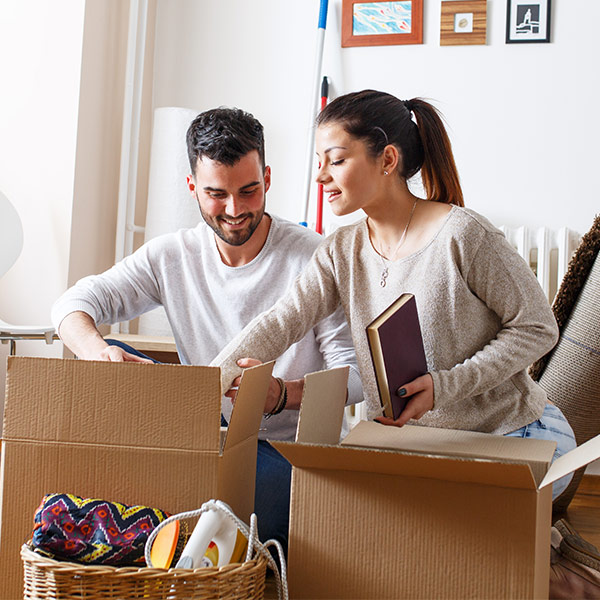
x=546, y=251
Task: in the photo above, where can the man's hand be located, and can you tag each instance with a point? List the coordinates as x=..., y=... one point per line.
x=117, y=354
x=79, y=333
x=274, y=389
x=420, y=391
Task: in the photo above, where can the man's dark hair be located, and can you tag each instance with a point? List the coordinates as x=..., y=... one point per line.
x=224, y=135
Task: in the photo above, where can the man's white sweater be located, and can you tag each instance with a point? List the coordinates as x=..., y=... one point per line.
x=208, y=303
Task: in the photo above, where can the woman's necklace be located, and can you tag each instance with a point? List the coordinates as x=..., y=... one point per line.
x=385, y=272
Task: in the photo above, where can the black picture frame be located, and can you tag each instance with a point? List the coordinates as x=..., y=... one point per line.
x=528, y=21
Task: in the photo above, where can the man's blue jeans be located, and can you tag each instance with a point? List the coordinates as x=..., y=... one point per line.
x=273, y=477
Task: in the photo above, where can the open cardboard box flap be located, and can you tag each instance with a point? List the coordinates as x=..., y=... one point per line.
x=532, y=456
x=393, y=462
x=577, y=458
x=322, y=407
x=132, y=404
x=247, y=412
x=453, y=443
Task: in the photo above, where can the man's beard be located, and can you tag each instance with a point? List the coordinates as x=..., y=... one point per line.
x=238, y=237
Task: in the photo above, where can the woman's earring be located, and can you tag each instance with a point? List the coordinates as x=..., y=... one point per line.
x=385, y=173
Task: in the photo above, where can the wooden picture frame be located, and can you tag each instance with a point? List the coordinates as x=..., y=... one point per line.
x=463, y=22
x=381, y=22
x=528, y=21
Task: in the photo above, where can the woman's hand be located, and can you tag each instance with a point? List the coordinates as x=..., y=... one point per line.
x=274, y=388
x=420, y=391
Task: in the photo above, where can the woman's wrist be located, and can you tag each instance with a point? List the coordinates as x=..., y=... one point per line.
x=281, y=402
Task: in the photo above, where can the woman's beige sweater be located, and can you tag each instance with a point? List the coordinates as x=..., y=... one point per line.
x=484, y=319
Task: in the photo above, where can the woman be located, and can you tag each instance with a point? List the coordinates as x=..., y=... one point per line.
x=484, y=317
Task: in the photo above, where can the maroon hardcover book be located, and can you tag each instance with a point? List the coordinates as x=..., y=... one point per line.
x=397, y=351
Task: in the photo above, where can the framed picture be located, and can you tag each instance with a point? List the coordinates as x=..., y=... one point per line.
x=381, y=22
x=463, y=22
x=527, y=21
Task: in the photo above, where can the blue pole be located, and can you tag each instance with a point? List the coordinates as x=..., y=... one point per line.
x=322, y=25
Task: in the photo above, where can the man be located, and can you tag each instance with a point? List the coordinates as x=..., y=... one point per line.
x=212, y=280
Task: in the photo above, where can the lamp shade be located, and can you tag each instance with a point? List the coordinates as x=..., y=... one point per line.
x=11, y=235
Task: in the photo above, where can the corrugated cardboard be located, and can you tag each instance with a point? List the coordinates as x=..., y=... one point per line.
x=129, y=432
x=419, y=512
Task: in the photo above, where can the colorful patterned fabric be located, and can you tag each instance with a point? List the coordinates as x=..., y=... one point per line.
x=92, y=531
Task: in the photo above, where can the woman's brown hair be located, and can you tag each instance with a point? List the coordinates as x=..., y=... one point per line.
x=380, y=119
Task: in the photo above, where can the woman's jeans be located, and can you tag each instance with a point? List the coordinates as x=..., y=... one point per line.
x=273, y=478
x=553, y=426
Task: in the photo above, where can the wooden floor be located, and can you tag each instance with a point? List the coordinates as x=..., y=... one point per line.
x=584, y=511
x=583, y=514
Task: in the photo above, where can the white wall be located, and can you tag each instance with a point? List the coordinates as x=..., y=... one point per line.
x=522, y=117
x=60, y=132
x=38, y=130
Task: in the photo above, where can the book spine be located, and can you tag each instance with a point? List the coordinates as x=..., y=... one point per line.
x=380, y=372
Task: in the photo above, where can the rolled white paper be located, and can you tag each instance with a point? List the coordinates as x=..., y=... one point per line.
x=170, y=205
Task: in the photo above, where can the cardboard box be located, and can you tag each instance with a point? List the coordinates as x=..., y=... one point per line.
x=419, y=512
x=128, y=432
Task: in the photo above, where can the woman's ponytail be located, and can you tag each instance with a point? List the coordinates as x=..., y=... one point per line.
x=438, y=172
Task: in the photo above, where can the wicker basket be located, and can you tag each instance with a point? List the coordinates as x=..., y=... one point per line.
x=48, y=578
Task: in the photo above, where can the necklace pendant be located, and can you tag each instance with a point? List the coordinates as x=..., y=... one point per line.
x=384, y=276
